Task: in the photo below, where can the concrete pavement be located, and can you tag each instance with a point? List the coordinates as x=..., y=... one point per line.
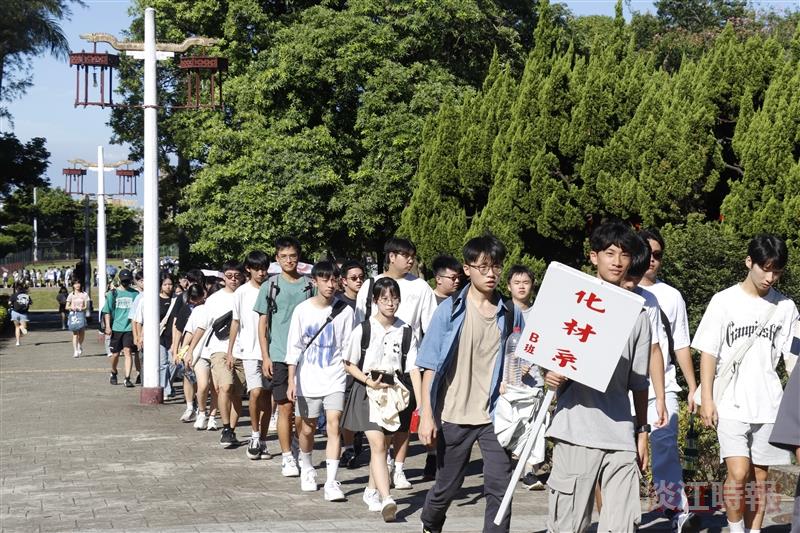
x=79, y=454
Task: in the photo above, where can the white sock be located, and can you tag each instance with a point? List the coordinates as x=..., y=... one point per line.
x=332, y=466
x=257, y=435
x=752, y=530
x=305, y=460
x=345, y=448
x=190, y=405
x=286, y=454
x=398, y=467
x=736, y=527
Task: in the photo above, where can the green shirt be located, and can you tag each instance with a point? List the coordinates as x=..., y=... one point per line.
x=289, y=295
x=119, y=307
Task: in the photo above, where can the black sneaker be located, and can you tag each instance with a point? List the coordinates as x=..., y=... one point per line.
x=254, y=449
x=113, y=378
x=139, y=379
x=128, y=383
x=532, y=482
x=429, y=473
x=228, y=438
x=349, y=458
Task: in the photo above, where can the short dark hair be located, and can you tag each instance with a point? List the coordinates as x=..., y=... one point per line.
x=347, y=266
x=195, y=292
x=441, y=263
x=256, y=259
x=613, y=234
x=324, y=270
x=165, y=276
x=232, y=265
x=654, y=234
x=195, y=276
x=520, y=269
x=487, y=245
x=768, y=251
x=384, y=285
x=287, y=242
x=397, y=245
x=640, y=258
x=138, y=275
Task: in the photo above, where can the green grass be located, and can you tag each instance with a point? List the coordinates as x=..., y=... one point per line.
x=44, y=298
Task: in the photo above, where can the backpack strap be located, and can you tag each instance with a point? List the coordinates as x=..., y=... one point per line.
x=309, y=288
x=338, y=307
x=405, y=346
x=368, y=307
x=670, y=340
x=366, y=335
x=272, y=293
x=508, y=317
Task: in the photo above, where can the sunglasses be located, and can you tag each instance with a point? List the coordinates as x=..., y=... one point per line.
x=658, y=254
x=356, y=278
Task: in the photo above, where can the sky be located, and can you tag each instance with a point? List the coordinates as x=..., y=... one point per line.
x=47, y=110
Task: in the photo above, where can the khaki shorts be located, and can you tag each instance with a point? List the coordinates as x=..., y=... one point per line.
x=222, y=375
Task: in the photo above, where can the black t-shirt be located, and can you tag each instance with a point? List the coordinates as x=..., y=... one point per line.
x=163, y=307
x=20, y=302
x=349, y=301
x=181, y=314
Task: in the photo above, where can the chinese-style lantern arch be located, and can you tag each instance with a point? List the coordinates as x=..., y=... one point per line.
x=96, y=62
x=127, y=181
x=200, y=70
x=73, y=180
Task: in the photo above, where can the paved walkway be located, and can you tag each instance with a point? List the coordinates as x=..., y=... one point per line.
x=79, y=454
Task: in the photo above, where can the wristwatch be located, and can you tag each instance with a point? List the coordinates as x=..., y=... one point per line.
x=643, y=429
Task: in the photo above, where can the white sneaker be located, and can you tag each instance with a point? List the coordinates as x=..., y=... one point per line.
x=333, y=492
x=80, y=350
x=373, y=499
x=388, y=509
x=188, y=415
x=201, y=422
x=75, y=353
x=17, y=343
x=308, y=480
x=289, y=467
x=23, y=330
x=400, y=481
x=212, y=424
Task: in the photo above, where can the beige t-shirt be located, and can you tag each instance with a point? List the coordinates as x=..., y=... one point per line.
x=468, y=381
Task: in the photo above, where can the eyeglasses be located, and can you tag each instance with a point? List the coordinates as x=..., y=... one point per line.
x=409, y=256
x=234, y=276
x=287, y=257
x=387, y=301
x=452, y=278
x=658, y=254
x=484, y=269
x=356, y=278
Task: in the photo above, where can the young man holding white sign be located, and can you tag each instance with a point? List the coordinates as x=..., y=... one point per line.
x=742, y=335
x=596, y=439
x=462, y=359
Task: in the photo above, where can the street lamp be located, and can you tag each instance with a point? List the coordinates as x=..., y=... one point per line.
x=150, y=52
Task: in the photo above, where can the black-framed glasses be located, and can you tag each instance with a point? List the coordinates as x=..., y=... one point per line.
x=484, y=269
x=452, y=278
x=408, y=255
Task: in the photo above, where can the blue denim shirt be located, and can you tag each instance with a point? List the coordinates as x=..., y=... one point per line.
x=440, y=344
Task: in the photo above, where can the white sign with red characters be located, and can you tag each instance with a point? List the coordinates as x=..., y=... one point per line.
x=578, y=326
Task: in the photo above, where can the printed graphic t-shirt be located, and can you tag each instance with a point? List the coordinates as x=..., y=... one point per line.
x=119, y=307
x=730, y=319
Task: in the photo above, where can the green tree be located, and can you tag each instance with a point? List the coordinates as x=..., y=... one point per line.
x=28, y=28
x=698, y=15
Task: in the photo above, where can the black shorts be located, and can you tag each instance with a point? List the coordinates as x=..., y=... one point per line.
x=280, y=382
x=120, y=340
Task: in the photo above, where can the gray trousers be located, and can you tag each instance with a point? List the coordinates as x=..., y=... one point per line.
x=576, y=472
x=452, y=456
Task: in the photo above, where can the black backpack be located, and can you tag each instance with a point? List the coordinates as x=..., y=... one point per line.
x=272, y=294
x=405, y=346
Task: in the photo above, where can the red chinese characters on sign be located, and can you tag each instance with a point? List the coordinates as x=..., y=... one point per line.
x=532, y=340
x=565, y=357
x=591, y=299
x=584, y=332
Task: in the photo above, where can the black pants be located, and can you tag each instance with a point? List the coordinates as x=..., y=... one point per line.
x=452, y=456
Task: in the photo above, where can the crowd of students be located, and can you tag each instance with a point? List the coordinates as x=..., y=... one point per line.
x=332, y=349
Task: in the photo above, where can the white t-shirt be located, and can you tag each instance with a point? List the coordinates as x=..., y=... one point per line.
x=730, y=319
x=197, y=319
x=659, y=336
x=246, y=346
x=217, y=305
x=320, y=370
x=385, y=348
x=136, y=313
x=417, y=302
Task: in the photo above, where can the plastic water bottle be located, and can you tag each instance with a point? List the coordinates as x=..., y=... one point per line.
x=512, y=368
